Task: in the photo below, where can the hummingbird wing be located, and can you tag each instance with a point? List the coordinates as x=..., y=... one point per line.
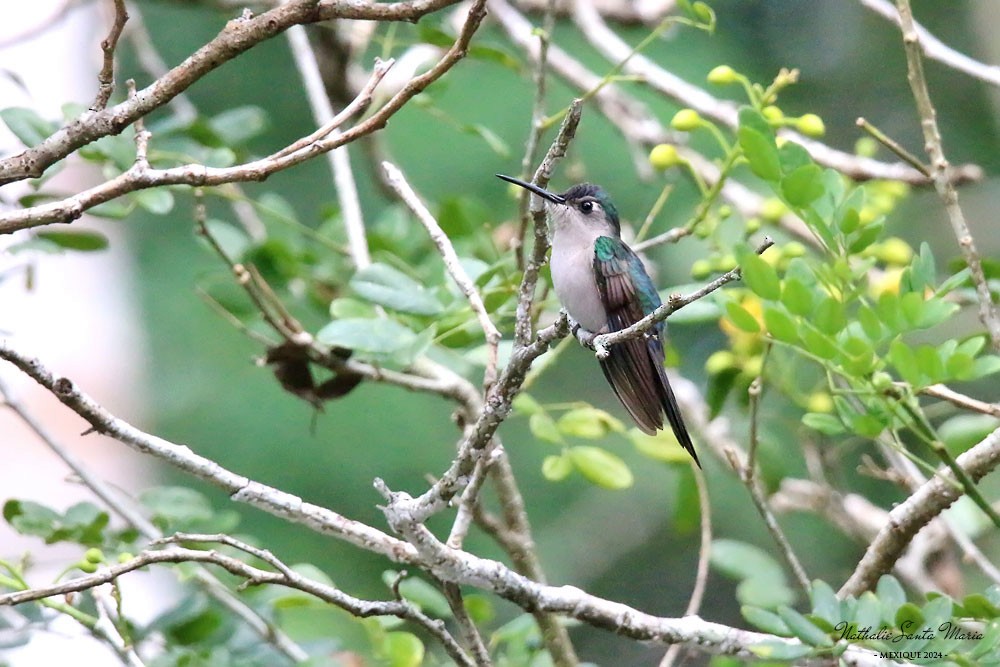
x=634, y=368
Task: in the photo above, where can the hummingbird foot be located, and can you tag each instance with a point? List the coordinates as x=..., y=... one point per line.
x=585, y=336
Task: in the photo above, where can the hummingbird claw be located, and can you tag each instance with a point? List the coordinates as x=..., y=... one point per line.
x=585, y=336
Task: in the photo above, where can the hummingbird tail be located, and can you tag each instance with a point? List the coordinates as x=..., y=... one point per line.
x=634, y=369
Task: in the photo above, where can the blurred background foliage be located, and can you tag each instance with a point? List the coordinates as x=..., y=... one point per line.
x=637, y=545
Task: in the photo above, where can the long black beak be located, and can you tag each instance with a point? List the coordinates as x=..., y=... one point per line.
x=541, y=192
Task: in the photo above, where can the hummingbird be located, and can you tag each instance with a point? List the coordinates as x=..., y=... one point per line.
x=603, y=286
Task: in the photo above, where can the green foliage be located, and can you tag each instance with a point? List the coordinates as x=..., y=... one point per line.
x=83, y=523
x=962, y=632
x=57, y=241
x=762, y=581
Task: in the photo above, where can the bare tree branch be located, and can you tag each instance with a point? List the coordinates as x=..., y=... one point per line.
x=909, y=516
x=264, y=628
x=106, y=77
x=943, y=172
x=394, y=177
x=137, y=178
x=254, y=576
x=236, y=37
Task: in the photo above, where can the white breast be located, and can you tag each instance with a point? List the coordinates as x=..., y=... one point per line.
x=572, y=266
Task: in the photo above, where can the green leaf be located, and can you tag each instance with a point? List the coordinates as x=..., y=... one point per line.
x=870, y=323
x=741, y=318
x=588, y=422
x=232, y=239
x=930, y=363
x=158, y=201
x=31, y=518
x=903, y=359
x=428, y=598
x=403, y=649
x=177, y=508
x=859, y=357
x=985, y=365
x=525, y=404
x=850, y=221
x=601, y=467
x=386, y=286
x=824, y=423
x=480, y=608
x=238, y=125
x=963, y=431
x=765, y=620
x=496, y=55
x=829, y=316
x=492, y=139
x=890, y=596
x=803, y=186
x=779, y=324
x=740, y=560
x=818, y=343
x=660, y=447
x=81, y=240
x=988, y=644
x=908, y=614
x=771, y=649
x=25, y=124
x=370, y=337
x=979, y=606
x=760, y=276
x=761, y=153
x=868, y=613
x=803, y=628
x=343, y=308
x=824, y=602
x=866, y=236
x=797, y=297
x=116, y=209
x=544, y=427
x=433, y=35
x=793, y=156
x=556, y=468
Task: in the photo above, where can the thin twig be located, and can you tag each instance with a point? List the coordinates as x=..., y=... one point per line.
x=893, y=146
x=526, y=291
x=106, y=77
x=704, y=556
x=238, y=36
x=909, y=516
x=254, y=576
x=73, y=207
x=943, y=172
x=746, y=470
x=616, y=50
x=469, y=500
x=394, y=177
x=435, y=557
x=473, y=638
x=602, y=342
x=537, y=124
x=946, y=393
x=339, y=158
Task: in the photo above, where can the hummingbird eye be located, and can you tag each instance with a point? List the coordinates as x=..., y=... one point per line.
x=587, y=206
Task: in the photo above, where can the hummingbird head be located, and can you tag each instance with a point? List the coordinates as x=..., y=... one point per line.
x=583, y=206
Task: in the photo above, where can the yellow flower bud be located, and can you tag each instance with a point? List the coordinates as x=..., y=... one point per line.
x=722, y=75
x=664, y=156
x=811, y=125
x=686, y=120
